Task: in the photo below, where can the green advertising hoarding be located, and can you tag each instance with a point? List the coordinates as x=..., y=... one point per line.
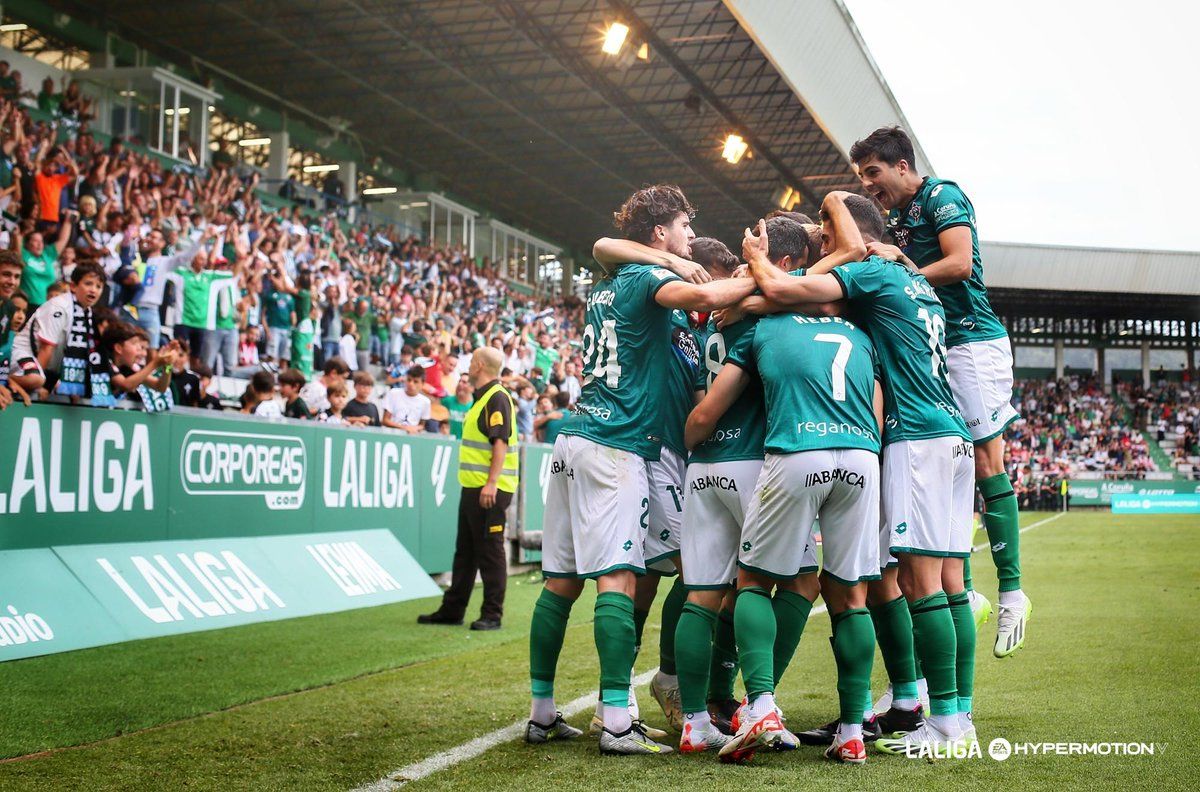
x=1100, y=492
x=1156, y=504
x=535, y=480
x=72, y=475
x=76, y=596
x=45, y=609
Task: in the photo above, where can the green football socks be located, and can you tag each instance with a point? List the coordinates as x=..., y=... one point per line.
x=723, y=671
x=546, y=632
x=894, y=630
x=671, y=609
x=754, y=626
x=791, y=614
x=964, y=662
x=1004, y=533
x=615, y=636
x=693, y=655
x=854, y=652
x=936, y=644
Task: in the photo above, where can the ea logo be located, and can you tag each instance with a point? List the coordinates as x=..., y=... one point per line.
x=999, y=749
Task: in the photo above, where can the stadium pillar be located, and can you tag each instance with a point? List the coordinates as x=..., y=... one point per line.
x=348, y=175
x=1059, y=355
x=1145, y=364
x=1100, y=366
x=277, y=157
x=568, y=273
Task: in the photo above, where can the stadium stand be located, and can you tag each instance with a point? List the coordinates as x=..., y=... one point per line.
x=308, y=286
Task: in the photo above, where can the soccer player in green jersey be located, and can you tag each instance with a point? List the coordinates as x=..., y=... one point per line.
x=933, y=224
x=927, y=471
x=824, y=417
x=721, y=475
x=665, y=476
x=598, y=492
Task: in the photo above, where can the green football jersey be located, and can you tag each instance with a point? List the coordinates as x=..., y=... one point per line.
x=818, y=379
x=680, y=393
x=938, y=205
x=742, y=430
x=626, y=353
x=901, y=311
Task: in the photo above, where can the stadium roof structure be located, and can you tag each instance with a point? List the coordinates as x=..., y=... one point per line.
x=1094, y=295
x=513, y=106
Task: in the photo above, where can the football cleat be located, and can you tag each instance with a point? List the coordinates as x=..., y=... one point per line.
x=597, y=726
x=981, y=608
x=928, y=742
x=633, y=740
x=898, y=721
x=1010, y=627
x=755, y=734
x=700, y=739
x=665, y=690
x=721, y=713
x=536, y=733
x=823, y=735
x=851, y=751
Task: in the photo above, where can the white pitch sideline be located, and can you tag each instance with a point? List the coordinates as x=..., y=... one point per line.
x=986, y=545
x=469, y=750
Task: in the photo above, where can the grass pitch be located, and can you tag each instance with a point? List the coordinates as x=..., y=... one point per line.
x=332, y=702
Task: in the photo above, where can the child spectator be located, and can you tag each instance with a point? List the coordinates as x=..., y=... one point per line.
x=290, y=383
x=315, y=393
x=206, y=401
x=337, y=403
x=64, y=333
x=361, y=411
x=407, y=409
x=134, y=368
x=259, y=398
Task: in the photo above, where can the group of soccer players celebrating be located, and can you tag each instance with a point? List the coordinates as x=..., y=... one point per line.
x=812, y=420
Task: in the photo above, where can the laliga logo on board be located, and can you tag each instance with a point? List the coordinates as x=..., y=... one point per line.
x=237, y=463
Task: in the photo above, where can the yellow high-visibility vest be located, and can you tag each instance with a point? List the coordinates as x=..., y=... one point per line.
x=475, y=453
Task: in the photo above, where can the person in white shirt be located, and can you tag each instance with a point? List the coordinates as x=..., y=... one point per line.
x=259, y=398
x=316, y=392
x=154, y=279
x=348, y=346
x=407, y=408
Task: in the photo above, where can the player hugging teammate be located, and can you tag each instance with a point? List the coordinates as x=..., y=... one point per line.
x=867, y=389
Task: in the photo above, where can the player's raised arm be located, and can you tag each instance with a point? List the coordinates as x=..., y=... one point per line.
x=955, y=264
x=724, y=391
x=779, y=287
x=705, y=297
x=848, y=244
x=610, y=253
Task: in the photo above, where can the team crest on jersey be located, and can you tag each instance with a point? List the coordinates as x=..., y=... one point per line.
x=901, y=235
x=914, y=211
x=685, y=346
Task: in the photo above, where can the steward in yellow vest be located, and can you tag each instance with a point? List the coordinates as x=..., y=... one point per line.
x=487, y=471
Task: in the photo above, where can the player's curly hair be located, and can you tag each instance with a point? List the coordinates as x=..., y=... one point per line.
x=649, y=207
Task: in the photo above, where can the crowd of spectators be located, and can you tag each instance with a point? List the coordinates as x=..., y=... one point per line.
x=1171, y=411
x=199, y=278
x=1068, y=426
